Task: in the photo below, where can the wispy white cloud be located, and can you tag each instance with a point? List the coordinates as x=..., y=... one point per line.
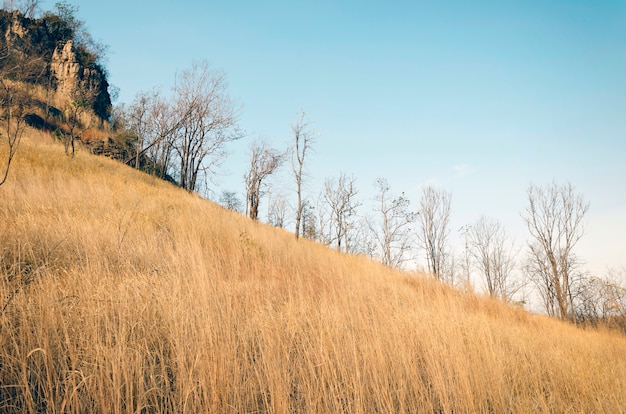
x=462, y=170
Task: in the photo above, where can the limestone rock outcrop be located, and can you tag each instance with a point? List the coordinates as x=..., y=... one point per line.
x=69, y=66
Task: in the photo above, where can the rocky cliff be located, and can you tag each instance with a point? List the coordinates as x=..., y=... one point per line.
x=71, y=75
x=69, y=70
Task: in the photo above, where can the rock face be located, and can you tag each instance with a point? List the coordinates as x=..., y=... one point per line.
x=17, y=29
x=69, y=67
x=71, y=75
x=66, y=69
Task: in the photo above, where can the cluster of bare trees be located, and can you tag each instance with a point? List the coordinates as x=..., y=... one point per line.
x=183, y=138
x=332, y=221
x=602, y=299
x=151, y=121
x=395, y=233
x=554, y=217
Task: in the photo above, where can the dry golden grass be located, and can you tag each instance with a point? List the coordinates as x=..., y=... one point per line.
x=121, y=293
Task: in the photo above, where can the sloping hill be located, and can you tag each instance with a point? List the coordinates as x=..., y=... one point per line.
x=121, y=293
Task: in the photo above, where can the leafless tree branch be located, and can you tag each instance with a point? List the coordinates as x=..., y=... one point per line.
x=434, y=217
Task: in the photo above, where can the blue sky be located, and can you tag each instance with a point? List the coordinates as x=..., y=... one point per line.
x=480, y=98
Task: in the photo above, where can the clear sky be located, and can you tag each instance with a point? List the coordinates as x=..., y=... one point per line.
x=480, y=98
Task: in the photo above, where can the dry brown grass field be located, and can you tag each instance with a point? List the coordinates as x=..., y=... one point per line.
x=120, y=293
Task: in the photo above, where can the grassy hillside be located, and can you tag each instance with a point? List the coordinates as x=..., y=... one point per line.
x=121, y=293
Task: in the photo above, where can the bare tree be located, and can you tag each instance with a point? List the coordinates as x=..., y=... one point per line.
x=141, y=121
x=154, y=122
x=493, y=256
x=159, y=147
x=323, y=219
x=602, y=300
x=465, y=259
x=340, y=195
x=554, y=219
x=391, y=233
x=309, y=221
x=264, y=161
x=303, y=138
x=358, y=240
x=434, y=217
x=208, y=120
x=18, y=72
x=230, y=201
x=77, y=113
x=277, y=209
x=12, y=102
